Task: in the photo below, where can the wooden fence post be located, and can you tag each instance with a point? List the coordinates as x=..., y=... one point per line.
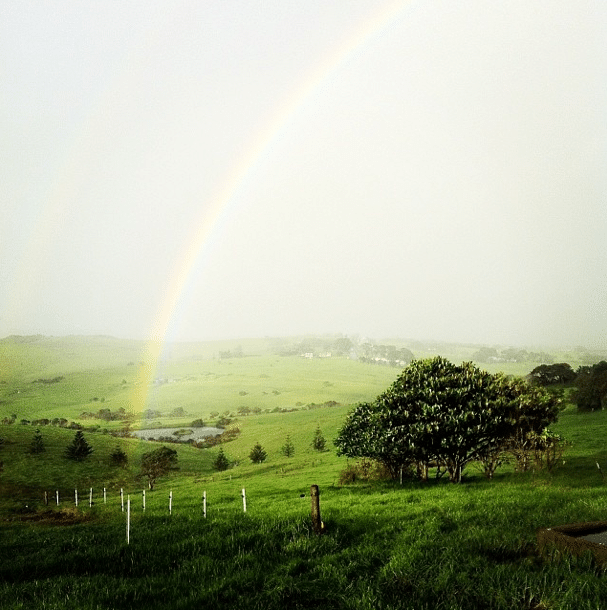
x=317, y=524
x=46, y=498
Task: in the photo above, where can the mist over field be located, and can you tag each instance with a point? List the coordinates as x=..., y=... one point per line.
x=196, y=171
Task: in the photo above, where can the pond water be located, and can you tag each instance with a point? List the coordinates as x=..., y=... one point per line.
x=197, y=433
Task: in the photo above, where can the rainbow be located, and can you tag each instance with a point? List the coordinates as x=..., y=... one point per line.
x=214, y=217
x=217, y=212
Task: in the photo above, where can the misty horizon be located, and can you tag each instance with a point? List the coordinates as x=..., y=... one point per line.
x=394, y=169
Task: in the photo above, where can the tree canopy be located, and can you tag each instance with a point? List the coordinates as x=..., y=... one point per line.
x=444, y=414
x=591, y=387
x=549, y=374
x=157, y=463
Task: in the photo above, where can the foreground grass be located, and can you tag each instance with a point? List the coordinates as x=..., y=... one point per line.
x=432, y=545
x=435, y=546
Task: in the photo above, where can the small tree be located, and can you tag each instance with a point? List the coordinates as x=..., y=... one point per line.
x=37, y=444
x=221, y=461
x=118, y=457
x=79, y=448
x=258, y=455
x=288, y=449
x=157, y=463
x=318, y=442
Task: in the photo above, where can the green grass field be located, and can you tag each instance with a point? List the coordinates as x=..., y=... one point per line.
x=432, y=545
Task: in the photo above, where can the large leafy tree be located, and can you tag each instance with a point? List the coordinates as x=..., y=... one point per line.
x=440, y=413
x=158, y=463
x=550, y=374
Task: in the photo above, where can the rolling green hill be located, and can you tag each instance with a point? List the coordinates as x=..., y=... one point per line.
x=432, y=545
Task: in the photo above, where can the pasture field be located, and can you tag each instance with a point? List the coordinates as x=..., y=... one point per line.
x=419, y=545
x=104, y=373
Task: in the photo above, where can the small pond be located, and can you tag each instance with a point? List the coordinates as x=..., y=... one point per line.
x=195, y=434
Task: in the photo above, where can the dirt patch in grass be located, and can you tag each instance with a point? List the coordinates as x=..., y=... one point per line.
x=64, y=516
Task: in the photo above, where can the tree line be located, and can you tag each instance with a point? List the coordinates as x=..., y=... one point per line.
x=588, y=382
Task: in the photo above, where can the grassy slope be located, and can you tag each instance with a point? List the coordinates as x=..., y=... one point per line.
x=433, y=545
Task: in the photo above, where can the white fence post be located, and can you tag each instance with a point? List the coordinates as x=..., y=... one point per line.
x=104, y=496
x=204, y=504
x=57, y=496
x=122, y=499
x=244, y=500
x=143, y=499
x=91, y=498
x=128, y=520
x=76, y=496
x=171, y=502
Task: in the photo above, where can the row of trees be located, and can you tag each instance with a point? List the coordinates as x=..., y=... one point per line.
x=589, y=382
x=77, y=450
x=438, y=414
x=154, y=464
x=258, y=454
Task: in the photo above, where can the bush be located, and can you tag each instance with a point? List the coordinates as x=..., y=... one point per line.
x=225, y=437
x=366, y=470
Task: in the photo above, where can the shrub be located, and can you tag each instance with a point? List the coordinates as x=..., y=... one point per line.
x=211, y=441
x=367, y=470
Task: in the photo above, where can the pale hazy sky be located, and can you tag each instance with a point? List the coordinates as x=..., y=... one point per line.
x=424, y=169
